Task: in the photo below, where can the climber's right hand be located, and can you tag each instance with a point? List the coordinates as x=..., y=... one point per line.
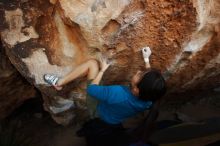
x=146, y=52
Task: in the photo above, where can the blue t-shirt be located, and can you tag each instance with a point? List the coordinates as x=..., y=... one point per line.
x=116, y=102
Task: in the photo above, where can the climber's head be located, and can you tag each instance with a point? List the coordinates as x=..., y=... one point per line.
x=148, y=85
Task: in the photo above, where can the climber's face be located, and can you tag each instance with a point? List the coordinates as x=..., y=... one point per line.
x=135, y=80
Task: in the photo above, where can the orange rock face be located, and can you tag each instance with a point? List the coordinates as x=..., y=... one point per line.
x=43, y=36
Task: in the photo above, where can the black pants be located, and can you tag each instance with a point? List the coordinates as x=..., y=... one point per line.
x=99, y=133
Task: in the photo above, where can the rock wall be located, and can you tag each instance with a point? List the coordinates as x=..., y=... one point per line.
x=14, y=89
x=55, y=36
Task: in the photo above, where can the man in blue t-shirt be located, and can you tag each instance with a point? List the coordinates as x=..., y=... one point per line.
x=117, y=102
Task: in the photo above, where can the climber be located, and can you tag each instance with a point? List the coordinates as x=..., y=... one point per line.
x=90, y=68
x=116, y=102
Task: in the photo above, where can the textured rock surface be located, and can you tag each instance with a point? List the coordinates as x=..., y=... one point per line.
x=42, y=36
x=14, y=89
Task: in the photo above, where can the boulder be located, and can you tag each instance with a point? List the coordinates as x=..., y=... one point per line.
x=14, y=89
x=42, y=36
